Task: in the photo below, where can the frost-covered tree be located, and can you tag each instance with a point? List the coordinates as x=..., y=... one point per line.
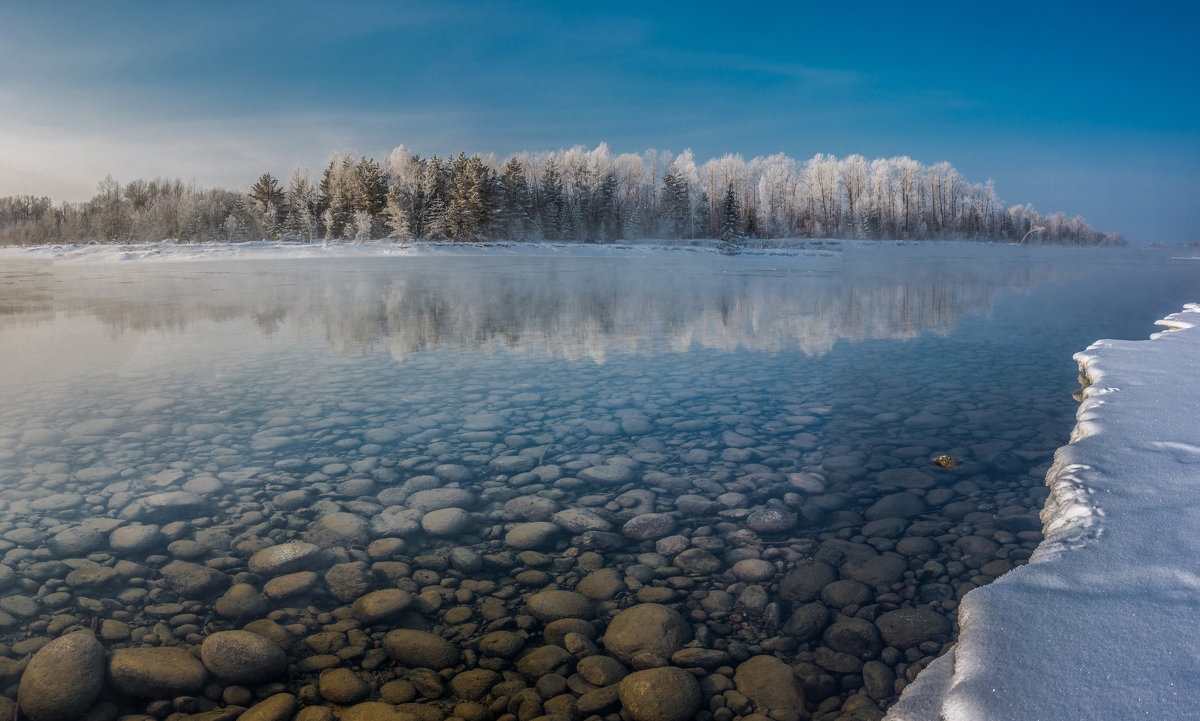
x=731, y=216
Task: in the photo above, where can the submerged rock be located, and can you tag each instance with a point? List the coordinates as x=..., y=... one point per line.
x=63, y=678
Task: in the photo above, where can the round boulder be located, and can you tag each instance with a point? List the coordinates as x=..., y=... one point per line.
x=908, y=627
x=242, y=657
x=446, y=522
x=284, y=558
x=769, y=683
x=62, y=679
x=549, y=606
x=648, y=526
x=527, y=536
x=660, y=694
x=771, y=520
x=380, y=605
x=895, y=505
x=646, y=628
x=154, y=672
x=419, y=649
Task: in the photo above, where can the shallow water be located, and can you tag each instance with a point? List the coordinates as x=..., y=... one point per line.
x=705, y=411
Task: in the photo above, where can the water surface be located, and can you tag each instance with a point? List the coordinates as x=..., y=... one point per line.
x=710, y=433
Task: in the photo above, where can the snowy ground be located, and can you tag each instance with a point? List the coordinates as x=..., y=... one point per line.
x=1102, y=623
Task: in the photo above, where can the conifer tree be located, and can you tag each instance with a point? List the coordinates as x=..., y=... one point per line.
x=731, y=217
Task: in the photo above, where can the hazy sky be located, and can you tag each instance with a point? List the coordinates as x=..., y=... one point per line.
x=1087, y=108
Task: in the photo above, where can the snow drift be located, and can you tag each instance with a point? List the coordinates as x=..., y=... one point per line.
x=1103, y=621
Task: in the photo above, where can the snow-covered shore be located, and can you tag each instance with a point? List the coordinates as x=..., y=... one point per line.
x=1104, y=622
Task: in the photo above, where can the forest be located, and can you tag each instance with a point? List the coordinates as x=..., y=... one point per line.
x=576, y=195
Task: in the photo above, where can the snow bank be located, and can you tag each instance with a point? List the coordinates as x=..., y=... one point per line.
x=1104, y=622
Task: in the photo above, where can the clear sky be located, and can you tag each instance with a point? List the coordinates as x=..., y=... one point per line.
x=1088, y=108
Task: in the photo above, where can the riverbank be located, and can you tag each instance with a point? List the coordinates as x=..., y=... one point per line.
x=1101, y=623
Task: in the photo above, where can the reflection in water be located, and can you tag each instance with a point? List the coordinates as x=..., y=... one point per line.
x=560, y=307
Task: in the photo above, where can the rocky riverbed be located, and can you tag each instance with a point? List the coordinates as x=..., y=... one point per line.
x=655, y=554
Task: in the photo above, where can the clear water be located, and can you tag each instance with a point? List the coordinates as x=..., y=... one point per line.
x=716, y=377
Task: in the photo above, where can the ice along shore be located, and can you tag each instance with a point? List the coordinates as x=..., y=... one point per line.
x=1101, y=624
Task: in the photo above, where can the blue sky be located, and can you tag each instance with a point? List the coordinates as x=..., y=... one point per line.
x=1087, y=108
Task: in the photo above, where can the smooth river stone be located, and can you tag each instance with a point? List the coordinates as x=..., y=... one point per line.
x=285, y=558
x=156, y=672
x=242, y=657
x=527, y=536
x=607, y=475
x=435, y=499
x=63, y=678
x=646, y=627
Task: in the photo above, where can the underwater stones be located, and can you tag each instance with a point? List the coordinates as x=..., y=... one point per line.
x=434, y=499
x=152, y=672
x=580, y=520
x=446, y=522
x=62, y=679
x=395, y=521
x=916, y=546
x=242, y=657
x=846, y=592
x=648, y=526
x=853, y=636
x=544, y=660
x=805, y=581
x=512, y=465
x=342, y=686
x=278, y=707
x=528, y=536
x=694, y=505
x=646, y=628
x=876, y=571
x=171, y=505
x=532, y=508
x=419, y=649
x=56, y=502
x=771, y=520
x=769, y=683
x=908, y=627
x=241, y=600
x=807, y=621
x=553, y=605
x=909, y=478
x=381, y=605
x=501, y=644
x=135, y=538
x=290, y=584
x=753, y=570
x=76, y=541
x=697, y=561
x=607, y=475
x=337, y=528
x=192, y=580
x=895, y=505
x=660, y=694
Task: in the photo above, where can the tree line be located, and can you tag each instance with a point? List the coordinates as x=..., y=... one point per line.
x=569, y=195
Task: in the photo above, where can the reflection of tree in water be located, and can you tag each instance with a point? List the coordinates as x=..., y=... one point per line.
x=561, y=307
